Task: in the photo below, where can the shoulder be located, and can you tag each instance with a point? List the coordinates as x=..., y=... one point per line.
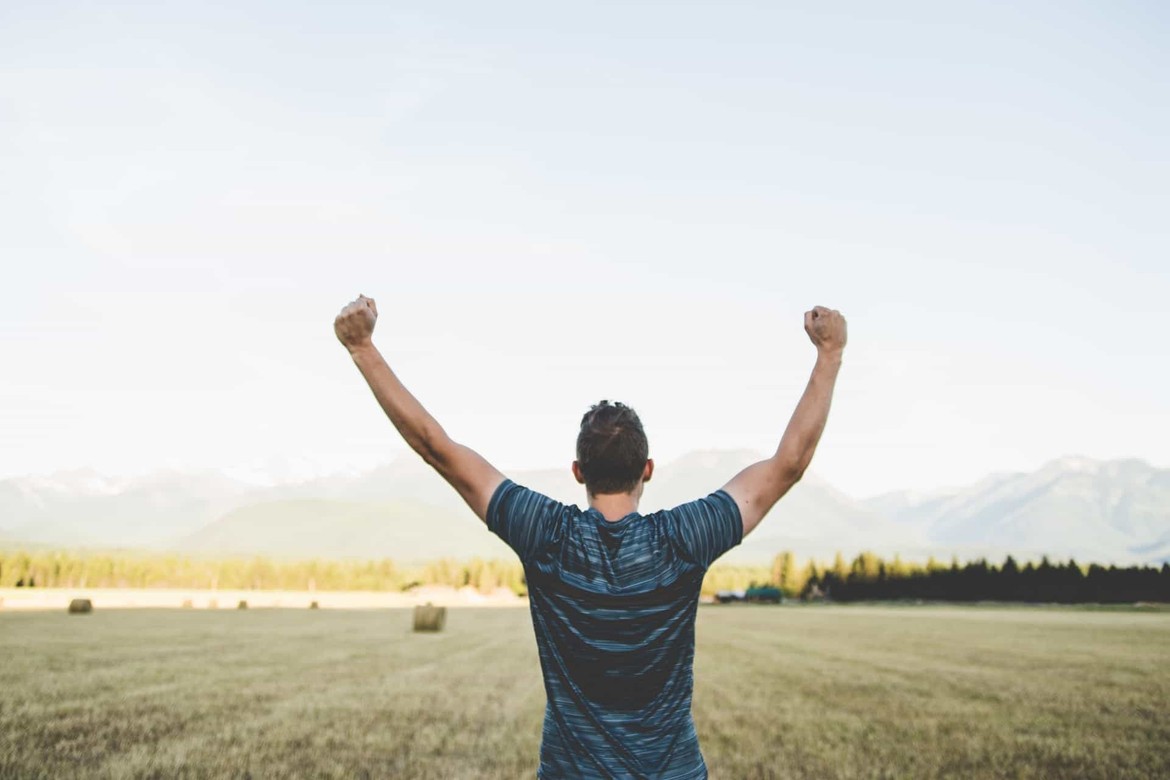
x=516, y=496
x=703, y=529
x=512, y=502
x=719, y=503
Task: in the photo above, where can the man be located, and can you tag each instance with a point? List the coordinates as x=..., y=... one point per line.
x=613, y=593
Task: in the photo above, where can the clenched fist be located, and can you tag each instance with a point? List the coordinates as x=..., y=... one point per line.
x=354, y=326
x=826, y=328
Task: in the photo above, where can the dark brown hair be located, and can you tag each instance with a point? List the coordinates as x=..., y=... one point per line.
x=611, y=448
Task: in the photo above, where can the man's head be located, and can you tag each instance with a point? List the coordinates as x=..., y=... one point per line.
x=612, y=451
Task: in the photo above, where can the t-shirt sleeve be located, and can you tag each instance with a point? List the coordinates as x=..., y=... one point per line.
x=704, y=529
x=529, y=522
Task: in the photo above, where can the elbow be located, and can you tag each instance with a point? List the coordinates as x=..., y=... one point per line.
x=431, y=445
x=790, y=470
x=794, y=474
x=430, y=456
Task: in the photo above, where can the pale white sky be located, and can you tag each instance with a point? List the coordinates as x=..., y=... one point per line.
x=555, y=206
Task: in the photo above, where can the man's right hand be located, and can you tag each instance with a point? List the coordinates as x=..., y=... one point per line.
x=354, y=326
x=826, y=328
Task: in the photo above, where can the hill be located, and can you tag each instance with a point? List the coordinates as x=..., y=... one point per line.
x=1106, y=511
x=1093, y=510
x=327, y=528
x=83, y=508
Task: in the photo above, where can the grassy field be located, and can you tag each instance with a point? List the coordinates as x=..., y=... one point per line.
x=780, y=692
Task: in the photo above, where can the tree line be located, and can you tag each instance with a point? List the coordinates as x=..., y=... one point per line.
x=869, y=577
x=866, y=577
x=59, y=569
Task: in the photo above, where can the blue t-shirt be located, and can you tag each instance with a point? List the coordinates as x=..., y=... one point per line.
x=613, y=607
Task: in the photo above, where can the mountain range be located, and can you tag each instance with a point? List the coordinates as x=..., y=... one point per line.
x=1104, y=511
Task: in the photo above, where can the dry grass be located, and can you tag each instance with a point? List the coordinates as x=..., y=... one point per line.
x=780, y=692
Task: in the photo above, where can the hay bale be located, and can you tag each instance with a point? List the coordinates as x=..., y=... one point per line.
x=428, y=617
x=242, y=605
x=188, y=604
x=314, y=605
x=80, y=607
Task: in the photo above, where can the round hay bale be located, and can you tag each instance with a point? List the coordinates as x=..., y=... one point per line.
x=242, y=605
x=80, y=607
x=428, y=617
x=314, y=605
x=188, y=604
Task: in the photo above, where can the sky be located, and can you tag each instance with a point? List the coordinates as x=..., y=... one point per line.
x=557, y=205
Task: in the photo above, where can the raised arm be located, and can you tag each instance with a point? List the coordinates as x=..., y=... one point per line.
x=758, y=487
x=465, y=469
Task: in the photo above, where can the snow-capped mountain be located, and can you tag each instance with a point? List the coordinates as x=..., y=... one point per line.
x=1105, y=511
x=1074, y=506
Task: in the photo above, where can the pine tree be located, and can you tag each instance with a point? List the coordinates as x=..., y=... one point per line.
x=778, y=564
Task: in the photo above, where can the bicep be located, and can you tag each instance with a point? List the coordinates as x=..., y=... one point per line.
x=757, y=488
x=469, y=473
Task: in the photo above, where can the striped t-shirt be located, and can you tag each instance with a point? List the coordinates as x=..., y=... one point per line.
x=613, y=607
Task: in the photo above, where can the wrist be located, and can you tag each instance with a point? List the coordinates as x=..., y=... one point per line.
x=830, y=357
x=362, y=351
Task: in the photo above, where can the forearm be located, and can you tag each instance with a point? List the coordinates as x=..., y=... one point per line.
x=758, y=487
x=465, y=469
x=803, y=433
x=420, y=430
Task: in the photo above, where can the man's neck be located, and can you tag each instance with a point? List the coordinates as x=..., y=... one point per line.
x=615, y=506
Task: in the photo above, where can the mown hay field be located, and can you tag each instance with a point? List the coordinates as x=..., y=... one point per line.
x=829, y=691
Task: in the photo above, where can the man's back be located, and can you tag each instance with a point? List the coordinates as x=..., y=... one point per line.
x=613, y=608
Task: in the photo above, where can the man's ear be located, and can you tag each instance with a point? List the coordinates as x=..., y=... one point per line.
x=649, y=470
x=577, y=473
